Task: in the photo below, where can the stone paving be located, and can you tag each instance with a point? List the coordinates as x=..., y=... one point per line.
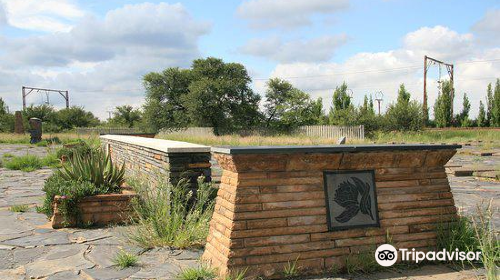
x=31, y=249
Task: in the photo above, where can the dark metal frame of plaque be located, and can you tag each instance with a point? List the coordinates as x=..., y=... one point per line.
x=332, y=227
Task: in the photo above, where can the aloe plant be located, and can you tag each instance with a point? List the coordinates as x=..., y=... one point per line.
x=96, y=167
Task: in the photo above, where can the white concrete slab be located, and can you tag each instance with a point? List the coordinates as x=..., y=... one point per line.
x=167, y=146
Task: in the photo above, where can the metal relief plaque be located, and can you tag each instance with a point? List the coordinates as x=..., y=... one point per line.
x=351, y=199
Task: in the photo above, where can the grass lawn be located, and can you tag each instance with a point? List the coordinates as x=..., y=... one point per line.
x=13, y=138
x=489, y=138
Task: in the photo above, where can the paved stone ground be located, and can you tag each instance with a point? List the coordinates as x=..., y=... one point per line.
x=30, y=248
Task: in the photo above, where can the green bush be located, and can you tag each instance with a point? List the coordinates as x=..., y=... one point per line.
x=169, y=215
x=75, y=147
x=96, y=168
x=26, y=163
x=72, y=191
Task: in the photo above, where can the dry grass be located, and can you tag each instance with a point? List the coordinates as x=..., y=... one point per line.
x=13, y=138
x=236, y=140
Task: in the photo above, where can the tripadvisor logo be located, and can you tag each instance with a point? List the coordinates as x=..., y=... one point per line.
x=387, y=255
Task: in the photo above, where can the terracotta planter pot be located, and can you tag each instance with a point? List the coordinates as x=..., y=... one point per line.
x=99, y=210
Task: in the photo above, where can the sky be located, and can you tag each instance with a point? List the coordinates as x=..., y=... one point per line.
x=100, y=50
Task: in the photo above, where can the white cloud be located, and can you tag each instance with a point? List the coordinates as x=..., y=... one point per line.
x=367, y=73
x=314, y=50
x=488, y=28
x=286, y=13
x=102, y=61
x=42, y=15
x=439, y=41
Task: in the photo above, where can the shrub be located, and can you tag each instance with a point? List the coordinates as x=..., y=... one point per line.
x=26, y=163
x=96, y=168
x=169, y=216
x=124, y=259
x=71, y=191
x=76, y=147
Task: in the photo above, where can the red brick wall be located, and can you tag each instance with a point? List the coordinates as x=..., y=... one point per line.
x=102, y=209
x=271, y=209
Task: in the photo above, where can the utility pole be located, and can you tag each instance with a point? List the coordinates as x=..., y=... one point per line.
x=27, y=90
x=379, y=96
x=428, y=61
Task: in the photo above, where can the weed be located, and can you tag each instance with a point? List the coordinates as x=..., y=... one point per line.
x=203, y=272
x=457, y=234
x=363, y=262
x=26, y=163
x=19, y=208
x=8, y=155
x=291, y=269
x=51, y=160
x=170, y=216
x=124, y=259
x=240, y=275
x=488, y=240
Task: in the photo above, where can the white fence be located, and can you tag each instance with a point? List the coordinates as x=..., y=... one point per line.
x=107, y=130
x=320, y=131
x=333, y=131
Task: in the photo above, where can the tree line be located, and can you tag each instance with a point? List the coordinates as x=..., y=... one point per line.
x=213, y=93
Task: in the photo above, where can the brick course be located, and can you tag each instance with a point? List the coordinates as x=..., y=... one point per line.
x=270, y=208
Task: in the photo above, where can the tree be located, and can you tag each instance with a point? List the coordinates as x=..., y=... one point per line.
x=443, y=106
x=287, y=108
x=164, y=106
x=489, y=103
x=481, y=117
x=404, y=114
x=6, y=119
x=44, y=112
x=342, y=111
x=464, y=115
x=74, y=116
x=495, y=111
x=3, y=107
x=220, y=96
x=126, y=115
x=211, y=93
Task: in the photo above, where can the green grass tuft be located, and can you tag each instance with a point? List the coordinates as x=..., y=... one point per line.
x=124, y=259
x=19, y=208
x=291, y=270
x=202, y=272
x=26, y=163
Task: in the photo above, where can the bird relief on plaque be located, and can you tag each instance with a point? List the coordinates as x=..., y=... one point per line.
x=351, y=199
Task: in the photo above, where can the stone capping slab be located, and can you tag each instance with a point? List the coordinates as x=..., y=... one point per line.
x=327, y=148
x=167, y=146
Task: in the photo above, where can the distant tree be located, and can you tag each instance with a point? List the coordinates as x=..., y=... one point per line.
x=212, y=93
x=481, y=117
x=44, y=112
x=287, y=108
x=404, y=114
x=367, y=117
x=74, y=116
x=463, y=117
x=6, y=119
x=126, y=115
x=489, y=103
x=342, y=111
x=220, y=96
x=443, y=106
x=3, y=107
x=495, y=112
x=165, y=91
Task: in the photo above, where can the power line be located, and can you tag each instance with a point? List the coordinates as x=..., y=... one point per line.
x=307, y=77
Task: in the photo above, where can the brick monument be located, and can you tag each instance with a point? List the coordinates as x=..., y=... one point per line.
x=320, y=205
